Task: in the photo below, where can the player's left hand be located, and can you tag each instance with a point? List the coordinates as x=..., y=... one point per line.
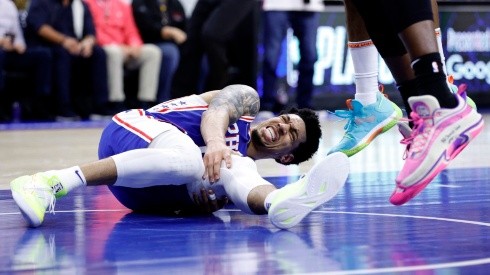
x=207, y=202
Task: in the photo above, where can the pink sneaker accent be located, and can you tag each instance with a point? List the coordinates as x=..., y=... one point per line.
x=438, y=136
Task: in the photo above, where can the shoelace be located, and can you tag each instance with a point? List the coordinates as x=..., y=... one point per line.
x=346, y=114
x=407, y=139
x=419, y=136
x=52, y=199
x=42, y=190
x=52, y=204
x=350, y=115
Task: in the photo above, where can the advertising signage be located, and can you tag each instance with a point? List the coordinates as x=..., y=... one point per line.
x=466, y=42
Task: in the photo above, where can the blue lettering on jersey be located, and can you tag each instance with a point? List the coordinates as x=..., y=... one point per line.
x=186, y=113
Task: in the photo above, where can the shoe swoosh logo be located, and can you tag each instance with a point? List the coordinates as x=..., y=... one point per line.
x=360, y=120
x=80, y=177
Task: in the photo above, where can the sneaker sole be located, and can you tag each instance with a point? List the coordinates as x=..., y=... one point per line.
x=399, y=198
x=384, y=126
x=25, y=208
x=31, y=218
x=324, y=181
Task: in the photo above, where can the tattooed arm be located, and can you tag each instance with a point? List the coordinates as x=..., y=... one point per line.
x=225, y=108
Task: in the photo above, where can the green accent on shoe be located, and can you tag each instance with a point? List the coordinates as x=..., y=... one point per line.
x=33, y=196
x=58, y=189
x=296, y=200
x=365, y=123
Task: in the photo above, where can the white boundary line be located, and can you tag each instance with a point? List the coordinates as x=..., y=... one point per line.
x=405, y=216
x=358, y=271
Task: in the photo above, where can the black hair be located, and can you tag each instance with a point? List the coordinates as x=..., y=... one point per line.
x=306, y=149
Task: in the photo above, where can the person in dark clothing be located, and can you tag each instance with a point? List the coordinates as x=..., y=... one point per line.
x=67, y=29
x=162, y=22
x=215, y=27
x=15, y=58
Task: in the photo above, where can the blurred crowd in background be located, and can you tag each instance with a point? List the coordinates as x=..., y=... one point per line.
x=89, y=59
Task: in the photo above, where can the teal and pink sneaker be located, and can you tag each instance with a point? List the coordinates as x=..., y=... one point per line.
x=438, y=136
x=364, y=123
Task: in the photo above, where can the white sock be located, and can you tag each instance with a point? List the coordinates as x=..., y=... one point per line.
x=70, y=178
x=365, y=58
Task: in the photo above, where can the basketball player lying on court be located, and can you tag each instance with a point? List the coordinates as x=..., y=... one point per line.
x=152, y=160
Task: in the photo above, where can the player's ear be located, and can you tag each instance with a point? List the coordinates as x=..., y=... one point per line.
x=286, y=159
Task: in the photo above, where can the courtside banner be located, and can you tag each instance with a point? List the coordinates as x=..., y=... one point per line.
x=465, y=38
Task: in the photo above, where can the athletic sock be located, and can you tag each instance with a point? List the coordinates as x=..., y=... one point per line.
x=365, y=59
x=407, y=89
x=432, y=80
x=70, y=178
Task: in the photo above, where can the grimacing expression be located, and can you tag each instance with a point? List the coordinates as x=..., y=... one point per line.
x=280, y=135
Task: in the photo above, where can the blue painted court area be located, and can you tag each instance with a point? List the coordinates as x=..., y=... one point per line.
x=445, y=230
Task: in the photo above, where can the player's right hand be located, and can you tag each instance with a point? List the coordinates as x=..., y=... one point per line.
x=207, y=202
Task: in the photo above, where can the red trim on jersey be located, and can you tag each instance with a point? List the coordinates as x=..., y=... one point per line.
x=126, y=125
x=247, y=118
x=164, y=110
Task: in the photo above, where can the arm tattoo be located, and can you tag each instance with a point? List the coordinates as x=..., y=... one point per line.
x=239, y=100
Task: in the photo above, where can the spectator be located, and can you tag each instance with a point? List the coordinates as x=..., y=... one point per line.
x=15, y=57
x=119, y=37
x=162, y=22
x=66, y=27
x=302, y=17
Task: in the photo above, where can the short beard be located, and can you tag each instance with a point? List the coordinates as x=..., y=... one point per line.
x=256, y=140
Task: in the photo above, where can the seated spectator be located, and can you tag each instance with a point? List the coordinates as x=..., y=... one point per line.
x=162, y=22
x=118, y=35
x=15, y=58
x=66, y=27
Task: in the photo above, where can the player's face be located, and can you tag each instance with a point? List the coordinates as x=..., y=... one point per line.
x=279, y=135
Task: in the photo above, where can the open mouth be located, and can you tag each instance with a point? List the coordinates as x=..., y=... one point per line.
x=269, y=134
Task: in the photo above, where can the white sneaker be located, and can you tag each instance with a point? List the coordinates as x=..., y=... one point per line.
x=34, y=195
x=296, y=200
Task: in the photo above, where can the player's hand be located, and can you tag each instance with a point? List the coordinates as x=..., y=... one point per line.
x=216, y=152
x=207, y=202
